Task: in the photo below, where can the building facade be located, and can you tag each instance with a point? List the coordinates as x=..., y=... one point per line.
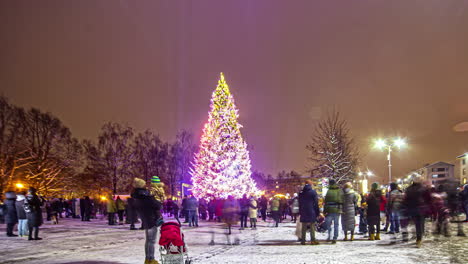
x=438, y=172
x=462, y=168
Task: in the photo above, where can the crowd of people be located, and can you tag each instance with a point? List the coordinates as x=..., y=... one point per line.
x=381, y=210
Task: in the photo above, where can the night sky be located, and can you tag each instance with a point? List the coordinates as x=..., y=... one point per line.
x=393, y=68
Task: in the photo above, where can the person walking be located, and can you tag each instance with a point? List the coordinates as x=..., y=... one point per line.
x=253, y=212
x=373, y=201
x=32, y=206
x=11, y=217
x=332, y=209
x=22, y=218
x=111, y=210
x=275, y=210
x=244, y=211
x=416, y=203
x=149, y=210
x=230, y=212
x=308, y=211
x=348, y=218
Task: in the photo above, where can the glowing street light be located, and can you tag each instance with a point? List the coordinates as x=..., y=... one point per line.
x=388, y=145
x=19, y=185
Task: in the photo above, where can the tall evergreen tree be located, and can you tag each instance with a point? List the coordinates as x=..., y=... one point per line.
x=222, y=164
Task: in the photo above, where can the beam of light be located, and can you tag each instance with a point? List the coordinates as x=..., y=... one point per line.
x=380, y=143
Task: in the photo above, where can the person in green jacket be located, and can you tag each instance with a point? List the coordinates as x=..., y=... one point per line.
x=111, y=210
x=332, y=208
x=275, y=213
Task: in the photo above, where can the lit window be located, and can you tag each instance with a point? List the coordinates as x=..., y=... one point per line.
x=464, y=161
x=464, y=171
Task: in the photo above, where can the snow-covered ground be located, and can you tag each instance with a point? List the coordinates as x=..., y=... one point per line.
x=75, y=242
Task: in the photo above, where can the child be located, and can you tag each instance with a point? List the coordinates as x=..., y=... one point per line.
x=157, y=189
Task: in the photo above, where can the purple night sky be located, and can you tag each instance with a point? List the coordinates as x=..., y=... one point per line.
x=391, y=67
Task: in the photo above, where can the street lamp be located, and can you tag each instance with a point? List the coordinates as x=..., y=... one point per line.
x=389, y=145
x=19, y=185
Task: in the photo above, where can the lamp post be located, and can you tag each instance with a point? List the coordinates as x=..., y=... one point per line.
x=389, y=145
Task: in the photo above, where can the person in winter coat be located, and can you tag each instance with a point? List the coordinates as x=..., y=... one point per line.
x=11, y=217
x=244, y=211
x=192, y=209
x=149, y=210
x=253, y=212
x=394, y=205
x=362, y=205
x=157, y=189
x=373, y=201
x=184, y=209
x=211, y=209
x=348, y=220
x=275, y=210
x=263, y=205
x=32, y=206
x=230, y=212
x=22, y=219
x=416, y=204
x=332, y=209
x=132, y=216
x=309, y=211
x=219, y=205
x=111, y=210
x=120, y=209
x=294, y=208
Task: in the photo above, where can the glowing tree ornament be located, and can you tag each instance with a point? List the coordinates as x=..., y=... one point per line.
x=222, y=164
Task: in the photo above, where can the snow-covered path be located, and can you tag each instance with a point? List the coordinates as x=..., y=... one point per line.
x=73, y=241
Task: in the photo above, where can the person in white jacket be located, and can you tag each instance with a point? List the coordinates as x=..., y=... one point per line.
x=253, y=212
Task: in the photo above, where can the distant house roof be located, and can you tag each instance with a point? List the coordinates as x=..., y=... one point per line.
x=440, y=163
x=462, y=156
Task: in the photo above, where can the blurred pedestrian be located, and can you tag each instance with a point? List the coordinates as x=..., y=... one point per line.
x=111, y=210
x=253, y=212
x=275, y=210
x=120, y=205
x=394, y=204
x=192, y=210
x=294, y=208
x=263, y=204
x=464, y=200
x=230, y=212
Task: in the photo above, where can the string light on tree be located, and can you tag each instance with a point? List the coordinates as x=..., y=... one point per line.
x=222, y=164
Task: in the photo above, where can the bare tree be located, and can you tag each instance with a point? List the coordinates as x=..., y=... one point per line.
x=180, y=160
x=13, y=152
x=150, y=156
x=52, y=151
x=332, y=150
x=115, y=155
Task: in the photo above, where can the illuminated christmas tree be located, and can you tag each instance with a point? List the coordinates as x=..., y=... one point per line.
x=222, y=164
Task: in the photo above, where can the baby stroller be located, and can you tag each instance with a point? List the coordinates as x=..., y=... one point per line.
x=172, y=245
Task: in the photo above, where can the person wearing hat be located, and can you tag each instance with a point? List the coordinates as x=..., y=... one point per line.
x=32, y=206
x=373, y=201
x=157, y=189
x=149, y=210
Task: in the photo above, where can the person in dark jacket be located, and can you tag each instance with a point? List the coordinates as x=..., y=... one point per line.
x=308, y=211
x=191, y=207
x=373, y=211
x=149, y=211
x=416, y=207
x=22, y=218
x=11, y=217
x=244, y=211
x=184, y=209
x=263, y=205
x=33, y=210
x=132, y=216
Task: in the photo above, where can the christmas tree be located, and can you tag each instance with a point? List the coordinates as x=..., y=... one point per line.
x=222, y=164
